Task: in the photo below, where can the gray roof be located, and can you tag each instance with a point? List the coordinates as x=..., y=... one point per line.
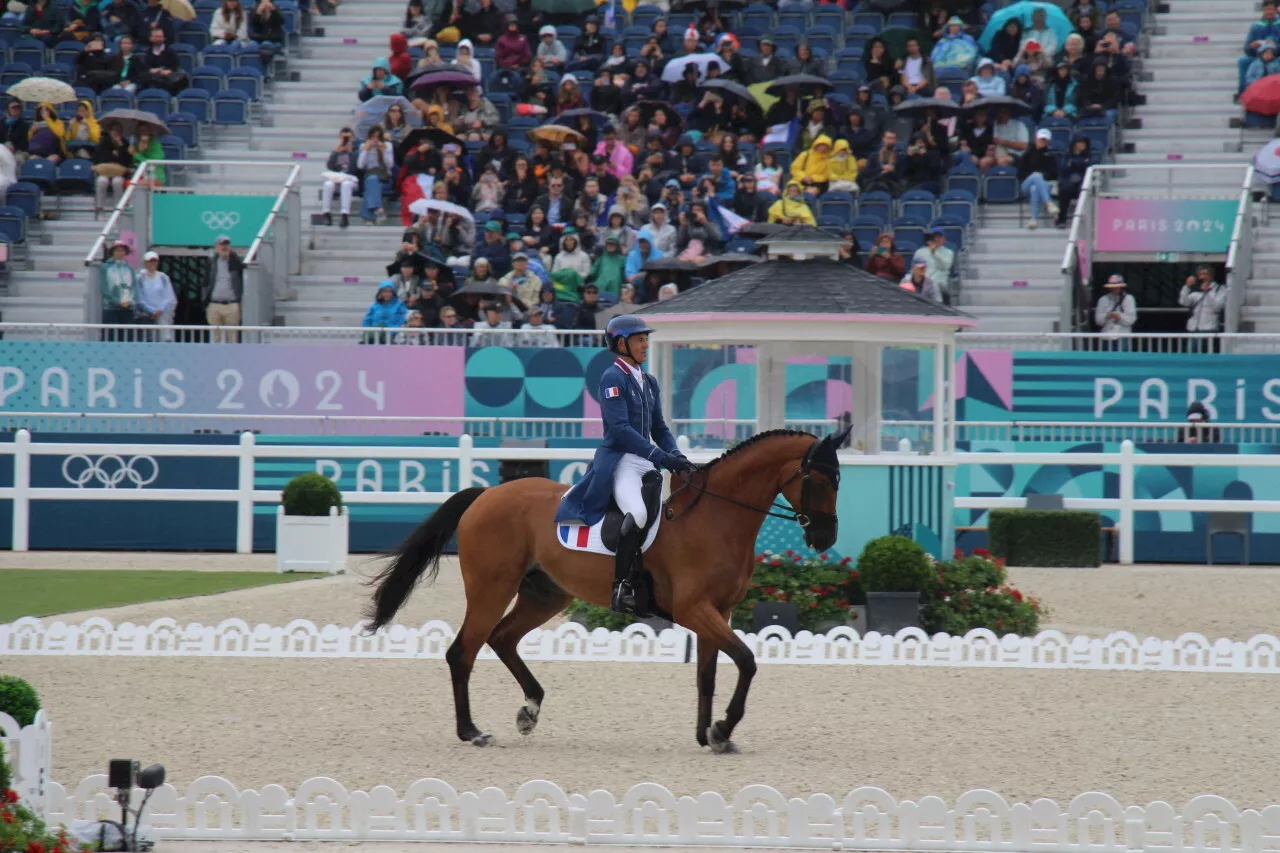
x=801, y=287
x=799, y=234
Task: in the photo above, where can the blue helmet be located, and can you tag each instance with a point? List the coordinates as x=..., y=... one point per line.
x=624, y=326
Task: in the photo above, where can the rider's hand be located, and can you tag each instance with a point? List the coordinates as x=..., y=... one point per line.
x=677, y=464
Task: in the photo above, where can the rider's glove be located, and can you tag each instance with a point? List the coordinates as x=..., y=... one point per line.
x=677, y=463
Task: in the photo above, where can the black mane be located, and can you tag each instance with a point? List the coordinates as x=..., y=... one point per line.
x=760, y=436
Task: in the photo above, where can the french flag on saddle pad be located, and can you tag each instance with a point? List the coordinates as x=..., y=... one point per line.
x=612, y=391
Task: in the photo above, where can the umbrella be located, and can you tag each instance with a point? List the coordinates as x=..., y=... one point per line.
x=130, y=119
x=674, y=70
x=556, y=136
x=997, y=102
x=648, y=109
x=730, y=88
x=1054, y=17
x=1262, y=96
x=439, y=74
x=577, y=8
x=777, y=86
x=917, y=107
x=372, y=112
x=1266, y=163
x=668, y=264
x=601, y=120
x=42, y=90
x=422, y=205
x=180, y=9
x=437, y=137
x=488, y=287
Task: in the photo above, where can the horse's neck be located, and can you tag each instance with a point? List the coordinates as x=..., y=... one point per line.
x=755, y=475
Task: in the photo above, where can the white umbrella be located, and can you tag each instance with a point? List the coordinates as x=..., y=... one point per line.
x=42, y=90
x=1266, y=163
x=422, y=205
x=674, y=71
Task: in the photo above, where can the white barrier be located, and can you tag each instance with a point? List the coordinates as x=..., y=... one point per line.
x=647, y=814
x=639, y=643
x=29, y=752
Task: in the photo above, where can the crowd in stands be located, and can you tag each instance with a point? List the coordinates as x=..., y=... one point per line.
x=543, y=162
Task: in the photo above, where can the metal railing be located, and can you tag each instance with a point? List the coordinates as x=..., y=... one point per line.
x=1240, y=256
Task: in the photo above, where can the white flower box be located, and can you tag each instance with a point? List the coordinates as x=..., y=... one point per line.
x=311, y=543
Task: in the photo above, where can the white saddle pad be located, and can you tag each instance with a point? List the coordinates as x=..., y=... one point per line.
x=580, y=537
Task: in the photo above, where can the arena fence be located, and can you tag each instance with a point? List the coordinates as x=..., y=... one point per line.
x=1125, y=463
x=641, y=643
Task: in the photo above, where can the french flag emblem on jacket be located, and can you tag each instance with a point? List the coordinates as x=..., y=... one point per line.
x=611, y=392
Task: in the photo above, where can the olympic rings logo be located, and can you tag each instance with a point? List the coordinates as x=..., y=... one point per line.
x=110, y=470
x=220, y=220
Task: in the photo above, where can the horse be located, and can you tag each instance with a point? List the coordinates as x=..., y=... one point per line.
x=700, y=564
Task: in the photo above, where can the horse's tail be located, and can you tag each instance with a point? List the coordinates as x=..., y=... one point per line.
x=418, y=555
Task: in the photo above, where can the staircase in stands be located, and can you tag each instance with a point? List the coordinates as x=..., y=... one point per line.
x=1190, y=78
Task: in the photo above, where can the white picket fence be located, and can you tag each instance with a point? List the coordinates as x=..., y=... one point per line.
x=647, y=814
x=639, y=643
x=29, y=752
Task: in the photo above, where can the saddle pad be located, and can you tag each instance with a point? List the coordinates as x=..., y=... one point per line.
x=580, y=537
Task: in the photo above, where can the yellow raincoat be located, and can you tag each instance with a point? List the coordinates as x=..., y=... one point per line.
x=792, y=208
x=72, y=141
x=54, y=124
x=811, y=167
x=842, y=165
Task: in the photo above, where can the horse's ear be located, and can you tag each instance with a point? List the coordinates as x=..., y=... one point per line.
x=838, y=439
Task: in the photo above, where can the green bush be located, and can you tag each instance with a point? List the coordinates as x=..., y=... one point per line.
x=973, y=592
x=18, y=699
x=310, y=494
x=894, y=564
x=1038, y=537
x=21, y=829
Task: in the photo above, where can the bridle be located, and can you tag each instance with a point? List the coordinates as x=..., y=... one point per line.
x=804, y=517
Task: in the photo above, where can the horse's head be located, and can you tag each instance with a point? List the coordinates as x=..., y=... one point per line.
x=812, y=492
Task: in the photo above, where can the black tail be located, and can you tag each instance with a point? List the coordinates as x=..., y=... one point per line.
x=417, y=555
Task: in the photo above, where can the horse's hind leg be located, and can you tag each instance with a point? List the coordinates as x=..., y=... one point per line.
x=540, y=598
x=487, y=598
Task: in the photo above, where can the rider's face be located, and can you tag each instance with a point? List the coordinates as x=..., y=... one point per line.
x=638, y=347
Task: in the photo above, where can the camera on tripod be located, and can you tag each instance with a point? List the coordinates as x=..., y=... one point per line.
x=124, y=775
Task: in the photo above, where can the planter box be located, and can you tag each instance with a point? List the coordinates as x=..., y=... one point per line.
x=311, y=543
x=857, y=621
x=890, y=612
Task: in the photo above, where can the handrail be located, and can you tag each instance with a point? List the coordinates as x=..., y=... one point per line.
x=251, y=257
x=1240, y=254
x=1086, y=191
x=95, y=251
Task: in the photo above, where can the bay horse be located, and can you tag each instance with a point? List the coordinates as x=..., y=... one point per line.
x=701, y=563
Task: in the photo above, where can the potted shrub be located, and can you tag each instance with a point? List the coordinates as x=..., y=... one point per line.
x=18, y=699
x=894, y=571
x=311, y=526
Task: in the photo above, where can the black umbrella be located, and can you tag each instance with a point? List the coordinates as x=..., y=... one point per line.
x=736, y=89
x=434, y=135
x=668, y=264
x=762, y=229
x=429, y=256
x=1000, y=102
x=917, y=107
x=782, y=83
x=647, y=109
x=599, y=119
x=488, y=287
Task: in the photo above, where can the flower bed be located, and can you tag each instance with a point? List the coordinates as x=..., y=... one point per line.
x=973, y=591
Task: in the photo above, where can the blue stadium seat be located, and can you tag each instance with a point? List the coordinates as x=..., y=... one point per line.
x=908, y=232
x=209, y=77
x=185, y=126
x=901, y=20
x=188, y=57
x=230, y=106
x=504, y=80
x=25, y=196
x=964, y=176
x=957, y=204
x=953, y=229
x=502, y=103
x=850, y=57
x=786, y=38
x=837, y=203
x=75, y=176
x=115, y=98
x=917, y=203
x=220, y=56
x=247, y=80
x=793, y=17
x=57, y=71
x=155, y=101
x=873, y=21
x=847, y=80
x=828, y=16
x=822, y=38
x=28, y=50
x=758, y=15
x=248, y=56
x=40, y=172
x=175, y=148
x=67, y=52
x=865, y=230
x=196, y=102
x=644, y=16
x=10, y=31
x=13, y=225
x=782, y=153
x=876, y=203
x=194, y=35
x=1000, y=185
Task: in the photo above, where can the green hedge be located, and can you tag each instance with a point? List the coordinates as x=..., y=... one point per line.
x=18, y=699
x=1040, y=537
x=310, y=494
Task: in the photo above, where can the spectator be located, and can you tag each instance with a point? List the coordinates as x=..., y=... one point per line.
x=43, y=20
x=624, y=305
x=486, y=198
x=82, y=132
x=120, y=18
x=990, y=84
x=571, y=256
x=493, y=327
x=883, y=259
x=557, y=205
x=792, y=209
x=512, y=48
x=417, y=24
x=588, y=308
x=535, y=333
x=805, y=62
x=399, y=62
x=811, y=168
x=47, y=134
x=1006, y=43
x=918, y=282
x=956, y=50
x=569, y=95
x=884, y=171
x=816, y=126
x=937, y=257
x=976, y=140
x=119, y=284
x=1265, y=30
x=1036, y=168
x=924, y=166
x=589, y=49
x=1206, y=299
x=427, y=302
x=484, y=25
x=229, y=24
x=632, y=132
x=155, y=300
x=1041, y=32
x=609, y=270
x=1033, y=62
x=916, y=74
x=1077, y=54
x=665, y=235
x=266, y=27
x=539, y=235
x=522, y=283
x=767, y=172
x=376, y=162
x=159, y=66
x=593, y=204
x=631, y=203
x=1010, y=137
x=640, y=254
x=1099, y=92
x=155, y=15
x=414, y=333
x=721, y=180
x=1116, y=311
x=1071, y=176
x=407, y=280
x=667, y=291
x=83, y=18
x=112, y=163
x=340, y=177
x=768, y=66
x=452, y=329
x=380, y=82
x=1198, y=430
x=606, y=91
x=1060, y=93
x=131, y=65
x=465, y=59
x=14, y=130
x=1264, y=65
x=493, y=247
x=618, y=156
x=386, y=312
x=223, y=290
x=95, y=68
x=551, y=50
x=750, y=204
x=699, y=235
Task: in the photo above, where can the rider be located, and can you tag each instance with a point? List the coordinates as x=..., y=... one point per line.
x=636, y=444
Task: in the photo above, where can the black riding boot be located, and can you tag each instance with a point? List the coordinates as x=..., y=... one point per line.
x=630, y=538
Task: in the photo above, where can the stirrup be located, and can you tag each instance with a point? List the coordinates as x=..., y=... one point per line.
x=624, y=598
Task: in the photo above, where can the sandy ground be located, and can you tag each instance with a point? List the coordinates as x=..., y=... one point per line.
x=1160, y=601
x=913, y=732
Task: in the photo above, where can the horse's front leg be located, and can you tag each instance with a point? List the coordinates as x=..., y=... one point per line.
x=716, y=636
x=708, y=654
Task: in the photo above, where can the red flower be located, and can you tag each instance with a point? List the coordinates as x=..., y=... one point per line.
x=981, y=552
x=790, y=553
x=1017, y=596
x=813, y=604
x=10, y=796
x=846, y=561
x=768, y=590
x=775, y=563
x=958, y=554
x=35, y=847
x=853, y=576
x=6, y=817
x=825, y=557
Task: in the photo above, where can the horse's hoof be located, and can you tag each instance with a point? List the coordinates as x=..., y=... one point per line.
x=720, y=745
x=526, y=721
x=484, y=740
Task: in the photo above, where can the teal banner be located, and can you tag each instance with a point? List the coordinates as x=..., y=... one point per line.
x=182, y=219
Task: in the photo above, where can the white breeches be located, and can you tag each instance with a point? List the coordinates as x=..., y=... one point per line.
x=626, y=486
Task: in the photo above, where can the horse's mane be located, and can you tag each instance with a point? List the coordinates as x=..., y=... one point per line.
x=755, y=439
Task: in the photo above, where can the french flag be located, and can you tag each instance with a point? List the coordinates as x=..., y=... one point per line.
x=611, y=392
x=570, y=538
